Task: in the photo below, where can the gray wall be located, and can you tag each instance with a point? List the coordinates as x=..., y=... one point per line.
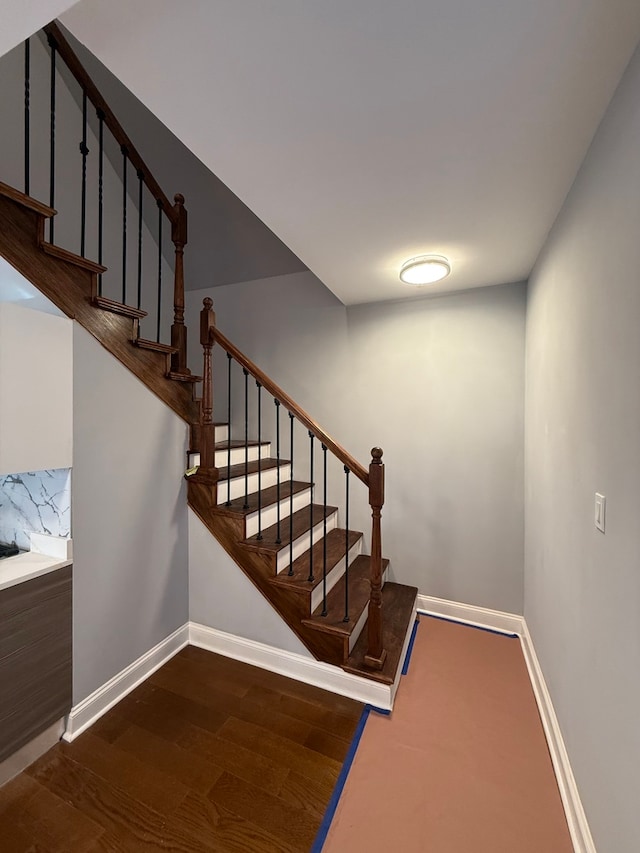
x=129, y=517
x=582, y=588
x=222, y=597
x=439, y=384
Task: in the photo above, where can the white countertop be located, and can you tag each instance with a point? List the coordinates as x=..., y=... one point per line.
x=31, y=564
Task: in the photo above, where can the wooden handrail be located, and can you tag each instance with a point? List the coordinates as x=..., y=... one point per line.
x=74, y=65
x=346, y=458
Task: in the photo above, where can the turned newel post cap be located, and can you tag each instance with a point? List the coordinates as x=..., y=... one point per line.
x=179, y=198
x=376, y=456
x=208, y=303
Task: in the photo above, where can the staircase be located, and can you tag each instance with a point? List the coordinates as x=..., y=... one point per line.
x=298, y=550
x=281, y=563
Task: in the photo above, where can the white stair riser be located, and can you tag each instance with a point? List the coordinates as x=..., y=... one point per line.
x=221, y=432
x=303, y=543
x=363, y=618
x=270, y=513
x=268, y=478
x=334, y=575
x=237, y=455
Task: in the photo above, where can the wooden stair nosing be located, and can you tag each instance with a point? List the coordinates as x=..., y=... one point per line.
x=336, y=548
x=398, y=611
x=183, y=377
x=154, y=346
x=26, y=201
x=359, y=594
x=269, y=496
x=267, y=463
x=303, y=520
x=239, y=442
x=116, y=307
x=72, y=258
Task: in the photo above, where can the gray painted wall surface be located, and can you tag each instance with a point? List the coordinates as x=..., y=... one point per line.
x=439, y=384
x=222, y=597
x=129, y=517
x=582, y=588
x=227, y=241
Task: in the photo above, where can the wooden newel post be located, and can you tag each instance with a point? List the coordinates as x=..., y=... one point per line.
x=178, y=328
x=207, y=469
x=376, y=654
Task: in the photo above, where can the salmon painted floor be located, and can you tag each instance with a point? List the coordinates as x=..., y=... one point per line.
x=461, y=764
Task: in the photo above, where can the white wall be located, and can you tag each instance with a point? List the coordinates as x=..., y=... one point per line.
x=129, y=513
x=36, y=390
x=438, y=384
x=582, y=588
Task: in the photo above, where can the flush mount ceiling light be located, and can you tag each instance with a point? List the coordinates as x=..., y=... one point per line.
x=425, y=269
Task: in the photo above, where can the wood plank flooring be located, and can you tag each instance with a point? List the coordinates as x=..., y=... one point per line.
x=209, y=754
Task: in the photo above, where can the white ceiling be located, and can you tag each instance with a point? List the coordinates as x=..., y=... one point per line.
x=19, y=21
x=363, y=132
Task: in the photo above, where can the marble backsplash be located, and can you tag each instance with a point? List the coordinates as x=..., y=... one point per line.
x=38, y=501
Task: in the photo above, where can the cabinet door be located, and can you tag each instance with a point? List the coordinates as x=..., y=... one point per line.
x=35, y=657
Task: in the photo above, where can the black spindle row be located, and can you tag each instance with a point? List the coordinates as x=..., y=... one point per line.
x=253, y=417
x=56, y=56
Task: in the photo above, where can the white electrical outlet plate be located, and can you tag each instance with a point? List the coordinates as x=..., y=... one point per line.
x=601, y=503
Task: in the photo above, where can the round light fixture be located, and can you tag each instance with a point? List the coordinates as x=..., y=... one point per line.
x=425, y=269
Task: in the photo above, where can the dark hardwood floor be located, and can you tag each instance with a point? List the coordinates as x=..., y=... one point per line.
x=208, y=755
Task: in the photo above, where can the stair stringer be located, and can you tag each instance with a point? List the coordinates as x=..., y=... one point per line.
x=290, y=607
x=71, y=285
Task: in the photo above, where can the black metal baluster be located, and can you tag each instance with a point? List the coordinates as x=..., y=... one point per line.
x=159, y=203
x=346, y=547
x=324, y=548
x=27, y=117
x=140, y=188
x=125, y=158
x=259, y=386
x=311, y=577
x=228, y=501
x=100, y=115
x=246, y=438
x=291, y=495
x=278, y=536
x=83, y=202
x=52, y=136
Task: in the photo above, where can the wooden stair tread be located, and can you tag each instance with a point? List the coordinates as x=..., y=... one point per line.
x=398, y=603
x=183, y=377
x=268, y=496
x=239, y=442
x=26, y=200
x=154, y=346
x=336, y=547
x=265, y=464
x=302, y=523
x=118, y=307
x=72, y=258
x=359, y=592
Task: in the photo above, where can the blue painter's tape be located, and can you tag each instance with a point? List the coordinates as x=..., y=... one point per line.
x=467, y=625
x=405, y=668
x=342, y=778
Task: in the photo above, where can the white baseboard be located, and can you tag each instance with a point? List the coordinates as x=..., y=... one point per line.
x=511, y=623
x=292, y=665
x=576, y=818
x=101, y=700
x=480, y=617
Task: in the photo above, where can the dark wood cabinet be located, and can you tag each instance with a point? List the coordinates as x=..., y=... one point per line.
x=35, y=657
